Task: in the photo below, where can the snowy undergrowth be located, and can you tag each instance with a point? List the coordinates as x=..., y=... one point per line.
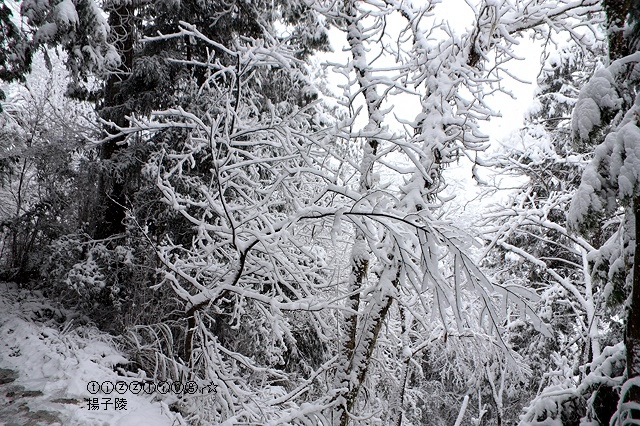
x=59, y=360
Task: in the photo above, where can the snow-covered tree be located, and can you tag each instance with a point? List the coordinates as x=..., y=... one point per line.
x=304, y=267
x=383, y=264
x=236, y=164
x=599, y=114
x=531, y=242
x=258, y=182
x=41, y=132
x=606, y=116
x=15, y=54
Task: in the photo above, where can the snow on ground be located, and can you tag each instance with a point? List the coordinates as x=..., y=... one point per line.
x=47, y=365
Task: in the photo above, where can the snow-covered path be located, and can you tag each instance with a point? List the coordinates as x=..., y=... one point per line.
x=47, y=365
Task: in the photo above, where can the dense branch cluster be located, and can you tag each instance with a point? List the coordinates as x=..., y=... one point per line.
x=239, y=217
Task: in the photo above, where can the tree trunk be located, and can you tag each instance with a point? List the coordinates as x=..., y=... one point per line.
x=616, y=11
x=361, y=359
x=109, y=212
x=397, y=408
x=632, y=333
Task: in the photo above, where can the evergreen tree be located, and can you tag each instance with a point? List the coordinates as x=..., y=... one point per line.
x=572, y=273
x=606, y=117
x=41, y=139
x=15, y=52
x=222, y=187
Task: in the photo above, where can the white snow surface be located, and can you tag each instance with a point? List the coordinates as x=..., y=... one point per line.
x=598, y=95
x=59, y=360
x=586, y=116
x=67, y=13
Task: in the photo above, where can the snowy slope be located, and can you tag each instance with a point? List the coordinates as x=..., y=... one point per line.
x=54, y=362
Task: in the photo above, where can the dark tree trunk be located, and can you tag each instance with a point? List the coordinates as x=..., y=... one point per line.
x=632, y=333
x=110, y=210
x=616, y=11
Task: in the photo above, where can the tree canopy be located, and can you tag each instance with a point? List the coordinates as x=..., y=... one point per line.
x=185, y=175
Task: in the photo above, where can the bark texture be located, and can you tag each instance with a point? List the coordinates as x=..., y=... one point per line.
x=616, y=11
x=632, y=333
x=109, y=214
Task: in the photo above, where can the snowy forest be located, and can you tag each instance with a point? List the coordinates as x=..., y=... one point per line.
x=300, y=204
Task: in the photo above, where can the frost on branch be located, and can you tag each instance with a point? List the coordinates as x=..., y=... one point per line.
x=259, y=191
x=558, y=403
x=239, y=171
x=417, y=263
